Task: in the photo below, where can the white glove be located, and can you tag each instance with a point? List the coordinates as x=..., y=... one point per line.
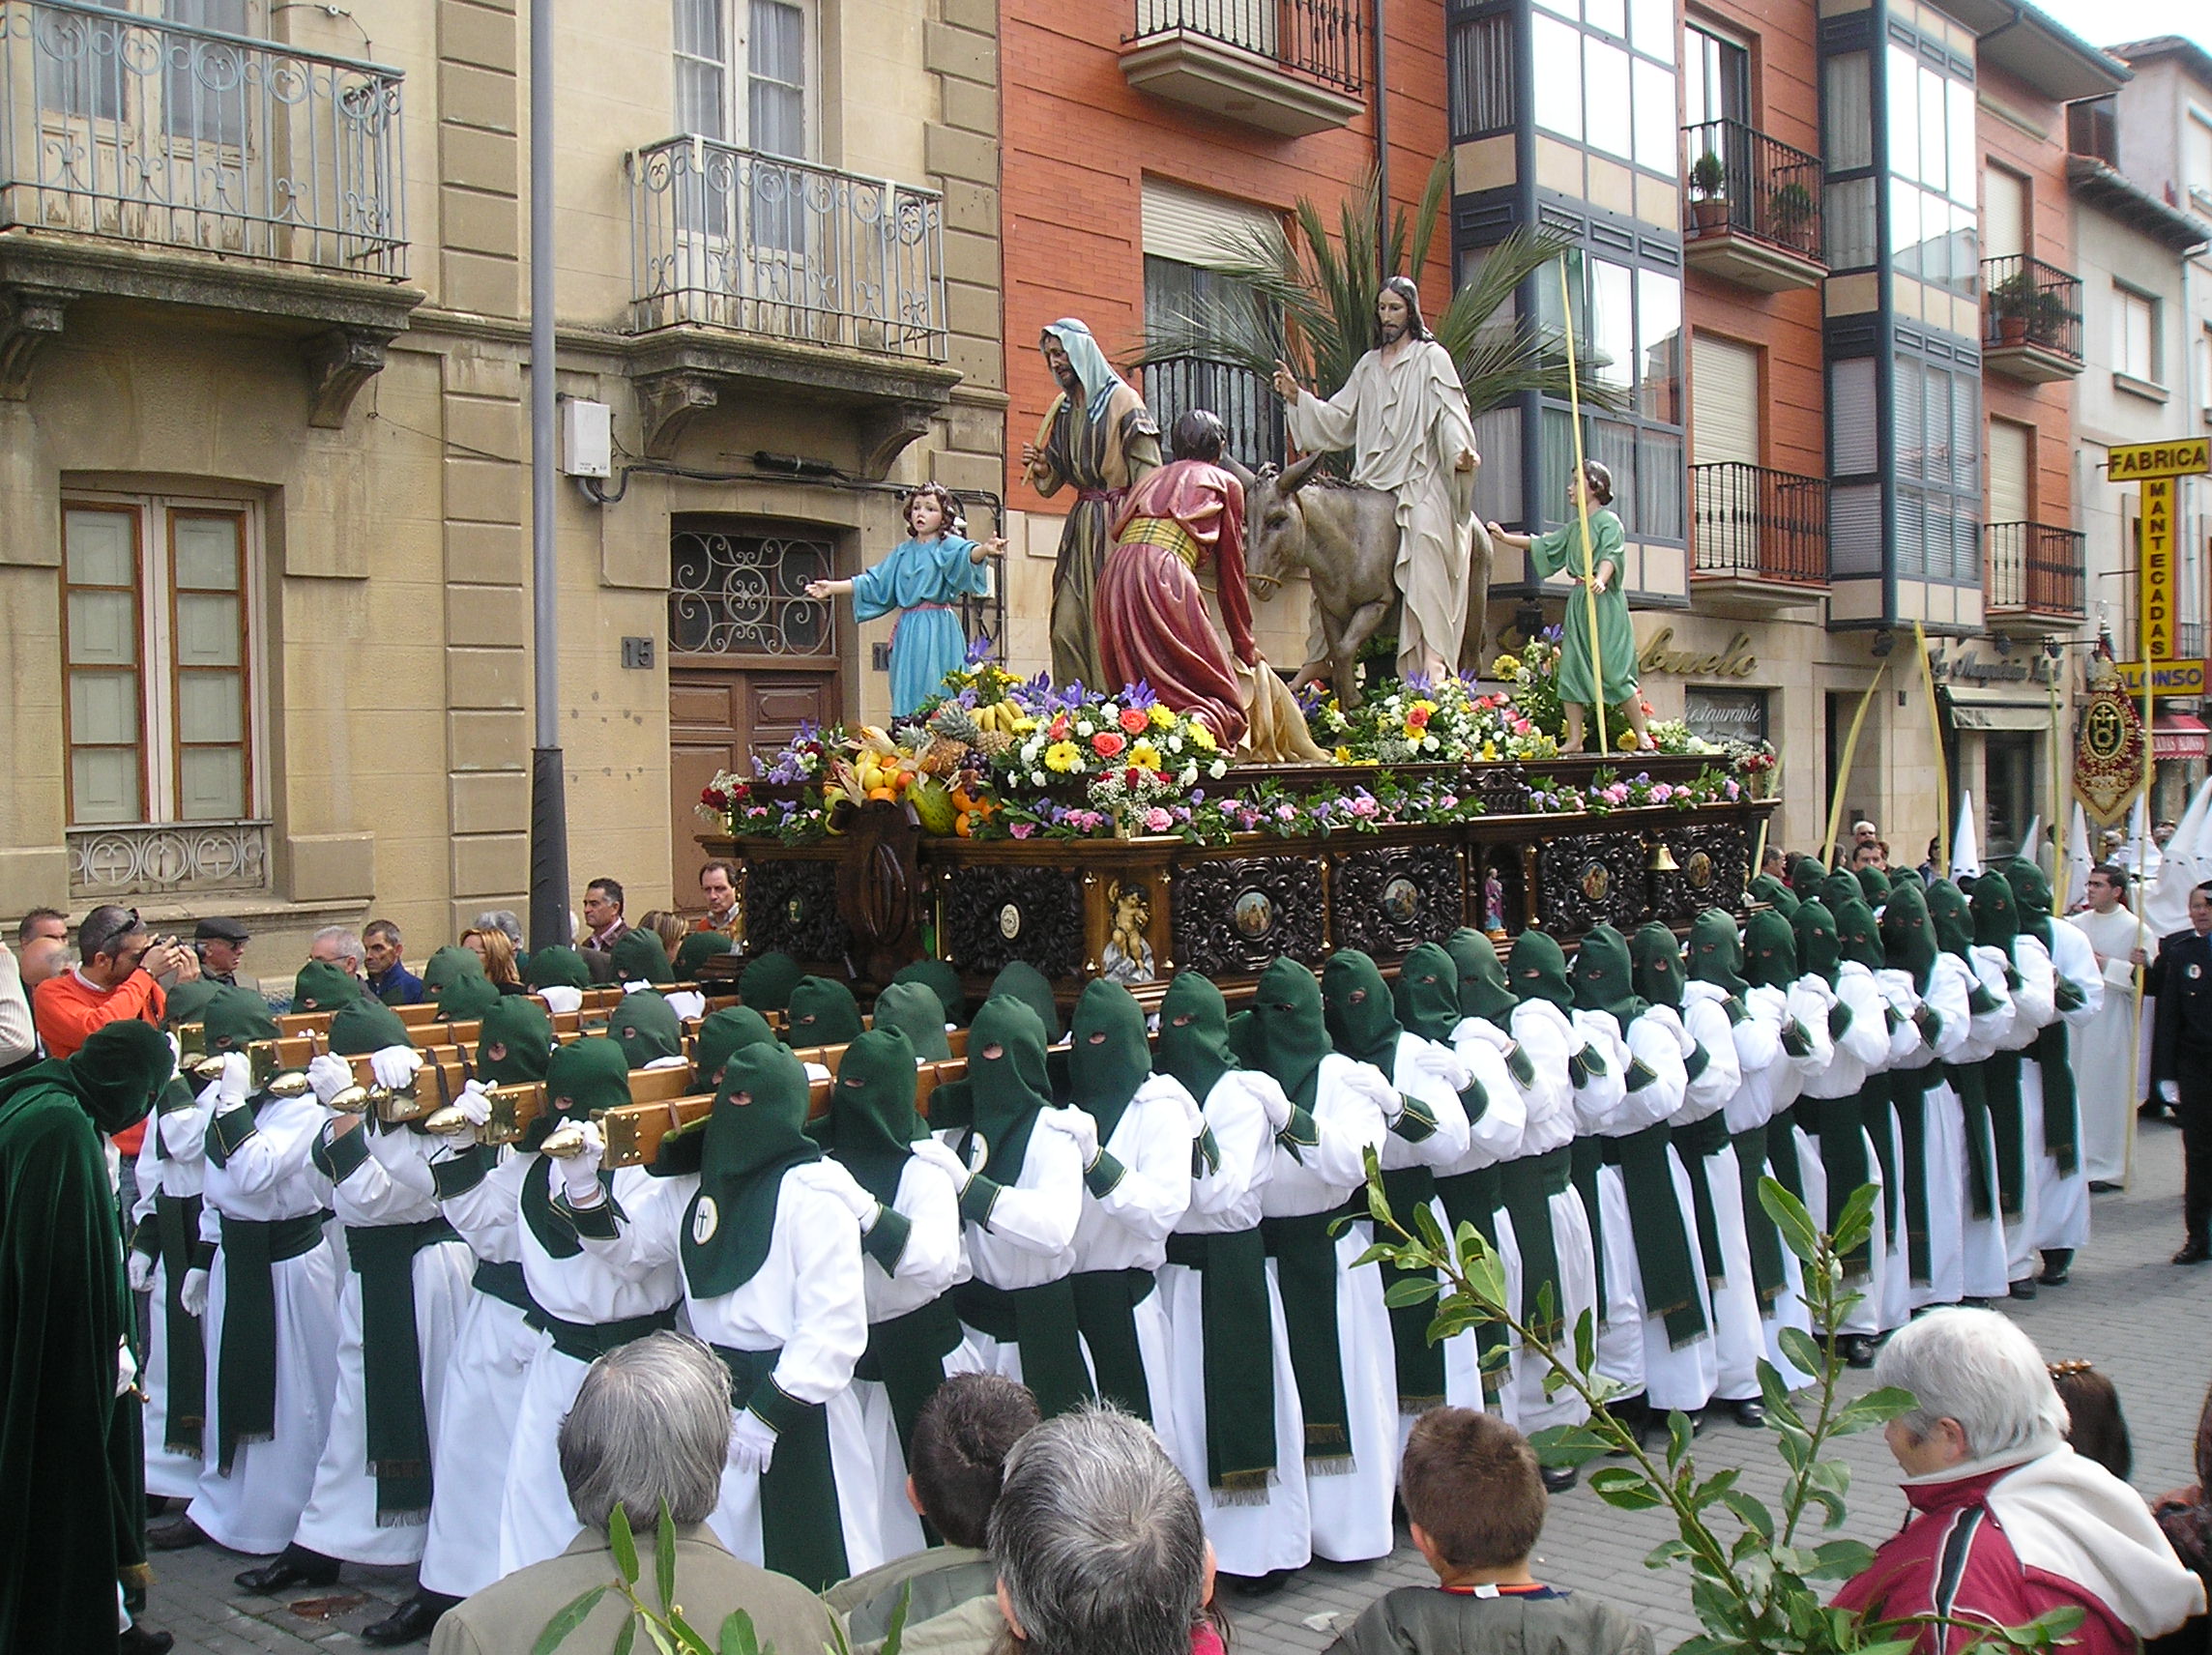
x=125, y=1368
x=817, y=1072
x=176, y=1050
x=1275, y=1102
x=474, y=1103
x=237, y=1082
x=2169, y=1090
x=1443, y=1063
x=1077, y=1127
x=688, y=1004
x=678, y=1062
x=193, y=1294
x=1490, y=1033
x=752, y=1442
x=635, y=987
x=395, y=1066
x=329, y=1074
x=940, y=1155
x=580, y=1172
x=560, y=998
x=836, y=1181
x=141, y=1271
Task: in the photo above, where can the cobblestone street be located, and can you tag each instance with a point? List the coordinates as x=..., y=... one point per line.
x=2127, y=1309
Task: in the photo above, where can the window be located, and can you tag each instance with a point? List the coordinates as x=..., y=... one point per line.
x=206, y=84
x=2197, y=158
x=1716, y=78
x=2134, y=336
x=771, y=40
x=1933, y=182
x=1186, y=232
x=1604, y=77
x=1628, y=329
x=157, y=638
x=1482, y=77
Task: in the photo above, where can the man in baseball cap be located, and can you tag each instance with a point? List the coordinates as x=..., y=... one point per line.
x=221, y=946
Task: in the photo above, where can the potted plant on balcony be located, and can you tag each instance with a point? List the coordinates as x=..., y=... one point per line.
x=1791, y=209
x=2012, y=301
x=1709, y=193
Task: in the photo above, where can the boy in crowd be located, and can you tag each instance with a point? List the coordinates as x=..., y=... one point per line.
x=1475, y=1502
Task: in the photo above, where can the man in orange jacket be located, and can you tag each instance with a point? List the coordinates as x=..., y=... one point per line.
x=114, y=982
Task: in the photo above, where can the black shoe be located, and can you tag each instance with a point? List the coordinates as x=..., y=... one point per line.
x=176, y=1536
x=158, y=1505
x=2193, y=1251
x=2103, y=1186
x=411, y=1622
x=1259, y=1585
x=2024, y=1288
x=1749, y=1412
x=2058, y=1266
x=1970, y=1302
x=138, y=1639
x=295, y=1566
x=1558, y=1479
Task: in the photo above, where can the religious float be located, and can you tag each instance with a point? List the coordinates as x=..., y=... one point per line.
x=1110, y=836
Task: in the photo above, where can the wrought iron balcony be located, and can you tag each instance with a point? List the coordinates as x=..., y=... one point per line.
x=1247, y=405
x=728, y=237
x=135, y=129
x=1753, y=210
x=1294, y=66
x=1760, y=538
x=2032, y=320
x=2032, y=577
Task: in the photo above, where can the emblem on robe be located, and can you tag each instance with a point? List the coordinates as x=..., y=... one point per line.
x=705, y=1219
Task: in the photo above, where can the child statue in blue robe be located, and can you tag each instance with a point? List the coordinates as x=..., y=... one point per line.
x=924, y=579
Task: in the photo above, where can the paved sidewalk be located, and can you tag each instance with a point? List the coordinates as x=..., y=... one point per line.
x=2127, y=1309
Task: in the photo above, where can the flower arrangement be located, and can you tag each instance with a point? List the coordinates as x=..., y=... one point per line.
x=1132, y=756
x=1673, y=736
x=1416, y=720
x=1608, y=792
x=720, y=797
x=1533, y=680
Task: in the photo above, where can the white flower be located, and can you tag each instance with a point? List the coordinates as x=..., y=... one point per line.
x=1218, y=768
x=1084, y=727
x=1038, y=778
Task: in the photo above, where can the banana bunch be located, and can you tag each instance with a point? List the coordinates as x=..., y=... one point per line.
x=1004, y=717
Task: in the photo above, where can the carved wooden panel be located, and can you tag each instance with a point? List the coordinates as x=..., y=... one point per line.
x=995, y=915
x=1237, y=915
x=1590, y=878
x=1390, y=898
x=1712, y=869
x=793, y=907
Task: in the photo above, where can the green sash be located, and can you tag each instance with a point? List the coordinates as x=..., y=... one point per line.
x=1971, y=1081
x=1586, y=1155
x=1754, y=1151
x=245, y=1363
x=589, y=1340
x=803, y=1532
x=396, y=1424
x=1305, y=1274
x=504, y=1281
x=1526, y=1188
x=1105, y=1314
x=2054, y=1052
x=1420, y=1364
x=2008, y=1124
x=906, y=1356
x=1041, y=1321
x=1665, y=1263
x=1844, y=1127
x=1474, y=1198
x=1909, y=1090
x=177, y=1218
x=1237, y=1357
x=1693, y=1144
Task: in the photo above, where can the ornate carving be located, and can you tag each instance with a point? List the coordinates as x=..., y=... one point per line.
x=338, y=364
x=1712, y=870
x=1238, y=914
x=995, y=915
x=30, y=320
x=1388, y=899
x=666, y=403
x=792, y=906
x=886, y=432
x=1590, y=878
x=1503, y=788
x=879, y=890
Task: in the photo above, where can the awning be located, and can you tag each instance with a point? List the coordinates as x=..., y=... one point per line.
x=1996, y=710
x=2175, y=736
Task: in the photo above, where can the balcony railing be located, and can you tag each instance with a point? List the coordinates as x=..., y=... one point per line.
x=2034, y=569
x=1247, y=405
x=1746, y=183
x=728, y=237
x=167, y=858
x=1757, y=524
x=2026, y=302
x=160, y=133
x=1319, y=37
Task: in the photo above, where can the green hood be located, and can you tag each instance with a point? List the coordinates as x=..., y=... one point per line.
x=188, y=1002
x=370, y=1026
x=322, y=986
x=581, y=1077
x=1907, y=937
x=1194, y=1035
x=767, y=983
x=1715, y=955
x=822, y=1012
x=721, y=1033
x=1427, y=993
x=1027, y=985
x=1538, y=970
x=1603, y=978
x=1819, y=944
x=2031, y=897
x=913, y=1009
x=1953, y=917
x=1841, y=887
x=872, y=1125
x=1658, y=959
x=941, y=979
x=467, y=997
x=1806, y=877
x=646, y=1028
x=1362, y=1018
x=557, y=966
x=118, y=1071
x=235, y=1018
x=1861, y=935
x=1873, y=885
x=1007, y=1089
x=1771, y=950
x=1774, y=893
x=756, y=1133
x=515, y=1043
x=1996, y=922
x=1483, y=991
x=1288, y=1033
x=696, y=949
x=637, y=956
x=1108, y=1058
x=449, y=964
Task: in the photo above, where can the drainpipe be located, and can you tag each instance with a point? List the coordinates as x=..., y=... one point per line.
x=548, y=782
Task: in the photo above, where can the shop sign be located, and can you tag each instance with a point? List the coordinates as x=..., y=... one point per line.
x=1725, y=715
x=1967, y=665
x=2156, y=547
x=2167, y=678
x=1661, y=656
x=2139, y=462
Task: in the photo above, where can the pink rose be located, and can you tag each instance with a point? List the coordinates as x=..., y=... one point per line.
x=1158, y=821
x=1364, y=807
x=1021, y=829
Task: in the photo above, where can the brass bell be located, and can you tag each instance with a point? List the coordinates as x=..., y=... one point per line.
x=562, y=1142
x=1661, y=860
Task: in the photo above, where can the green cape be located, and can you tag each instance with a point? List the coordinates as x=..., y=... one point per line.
x=1008, y=1088
x=1996, y=922
x=646, y=1028
x=872, y=1127
x=235, y=1018
x=696, y=949
x=723, y=1033
x=466, y=999
x=1716, y=957
x=1027, y=985
x=1194, y=1035
x=767, y=983
x=1658, y=960
x=1538, y=970
x=1819, y=944
x=1770, y=952
x=1286, y=1031
x=1860, y=933
x=1907, y=938
x=1362, y=1018
x=370, y=1025
x=1603, y=978
x=1774, y=893
x=1952, y=919
x=449, y=963
x=1427, y=993
x=557, y=966
x=943, y=980
x=186, y=1003
x=1483, y=991
x=580, y=1077
x=322, y=986
x=638, y=956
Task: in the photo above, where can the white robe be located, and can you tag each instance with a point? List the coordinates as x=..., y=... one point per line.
x=1720, y=1089
x=180, y=1171
x=2034, y=1006
x=1030, y=1239
x=2062, y=1198
x=1493, y=1138
x=1861, y=1053
x=1674, y=1377
x=1436, y=1075
x=2107, y=1050
x=1943, y=1136
x=1407, y=424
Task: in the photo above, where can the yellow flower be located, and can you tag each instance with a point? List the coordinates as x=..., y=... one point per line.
x=1490, y=749
x=1202, y=736
x=1163, y=715
x=1062, y=756
x=1343, y=755
x=1145, y=756
x=1504, y=666
x=1626, y=741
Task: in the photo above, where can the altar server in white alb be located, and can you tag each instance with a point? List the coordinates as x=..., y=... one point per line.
x=769, y=1235
x=1239, y=1437
x=1136, y=1130
x=2055, y=1076
x=1332, y=1305
x=2109, y=1053
x=912, y=1258
x=1929, y=991
x=268, y=1282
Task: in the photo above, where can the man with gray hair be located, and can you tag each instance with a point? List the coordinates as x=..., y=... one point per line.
x=504, y=920
x=650, y=1427
x=2009, y=1522
x=335, y=945
x=1098, y=1540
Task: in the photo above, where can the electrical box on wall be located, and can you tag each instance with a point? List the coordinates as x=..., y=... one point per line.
x=586, y=438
